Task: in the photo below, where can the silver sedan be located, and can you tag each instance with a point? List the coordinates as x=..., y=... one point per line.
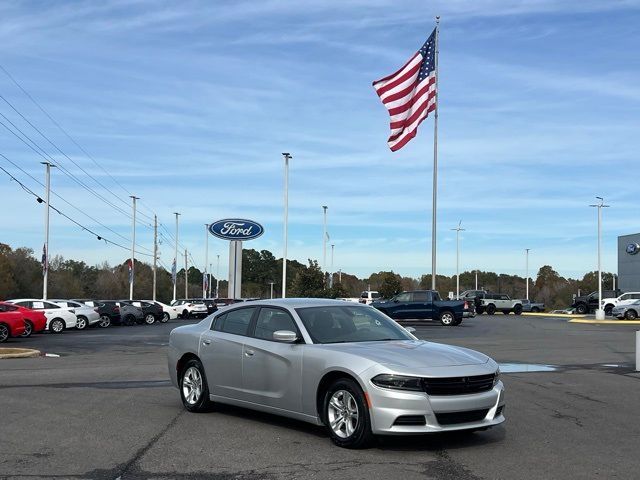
x=346, y=366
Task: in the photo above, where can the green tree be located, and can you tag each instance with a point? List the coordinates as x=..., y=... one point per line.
x=308, y=282
x=390, y=284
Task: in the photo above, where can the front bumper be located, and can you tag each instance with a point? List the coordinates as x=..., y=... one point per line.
x=387, y=406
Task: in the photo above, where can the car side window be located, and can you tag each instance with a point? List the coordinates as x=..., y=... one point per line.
x=404, y=297
x=271, y=320
x=50, y=305
x=217, y=322
x=635, y=296
x=420, y=297
x=237, y=322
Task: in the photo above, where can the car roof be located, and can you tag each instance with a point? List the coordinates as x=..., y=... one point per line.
x=296, y=303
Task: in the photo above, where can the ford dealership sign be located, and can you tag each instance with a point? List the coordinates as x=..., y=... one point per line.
x=236, y=229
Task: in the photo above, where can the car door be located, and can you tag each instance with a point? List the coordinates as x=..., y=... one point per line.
x=398, y=307
x=422, y=304
x=272, y=370
x=221, y=351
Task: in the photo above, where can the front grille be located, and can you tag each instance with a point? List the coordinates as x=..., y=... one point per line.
x=458, y=385
x=461, y=417
x=406, y=420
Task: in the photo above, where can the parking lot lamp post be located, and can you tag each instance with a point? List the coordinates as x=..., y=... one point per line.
x=527, y=273
x=458, y=229
x=271, y=285
x=175, y=259
x=599, y=206
x=210, y=279
x=331, y=277
x=476, y=279
x=218, y=277
x=186, y=275
x=45, y=252
x=133, y=248
x=287, y=157
x=324, y=241
x=206, y=261
x=155, y=255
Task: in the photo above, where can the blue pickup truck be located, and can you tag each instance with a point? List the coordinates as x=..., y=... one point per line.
x=426, y=304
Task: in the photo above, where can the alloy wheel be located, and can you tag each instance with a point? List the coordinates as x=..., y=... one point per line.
x=192, y=385
x=447, y=318
x=81, y=324
x=4, y=333
x=342, y=413
x=57, y=326
x=105, y=321
x=149, y=319
x=165, y=317
x=28, y=329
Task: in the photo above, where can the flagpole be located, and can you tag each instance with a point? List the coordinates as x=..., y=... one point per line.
x=287, y=157
x=435, y=166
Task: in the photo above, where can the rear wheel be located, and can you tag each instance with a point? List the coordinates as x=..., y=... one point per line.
x=165, y=317
x=28, y=329
x=346, y=415
x=194, y=390
x=149, y=319
x=81, y=323
x=130, y=320
x=105, y=321
x=4, y=333
x=581, y=308
x=185, y=314
x=457, y=322
x=608, y=309
x=491, y=309
x=630, y=314
x=517, y=309
x=56, y=325
x=447, y=318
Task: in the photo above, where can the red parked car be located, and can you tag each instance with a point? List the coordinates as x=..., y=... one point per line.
x=11, y=325
x=34, y=320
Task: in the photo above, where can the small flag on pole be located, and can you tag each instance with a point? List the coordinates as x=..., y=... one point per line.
x=205, y=281
x=130, y=265
x=45, y=259
x=173, y=272
x=410, y=94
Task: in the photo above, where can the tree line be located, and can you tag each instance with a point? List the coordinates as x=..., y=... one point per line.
x=21, y=276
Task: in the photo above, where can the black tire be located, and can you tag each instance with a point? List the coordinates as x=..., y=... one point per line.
x=28, y=329
x=149, y=319
x=535, y=309
x=105, y=321
x=130, y=320
x=82, y=323
x=362, y=437
x=4, y=333
x=165, y=317
x=185, y=314
x=57, y=325
x=630, y=314
x=608, y=309
x=581, y=308
x=517, y=309
x=491, y=309
x=447, y=318
x=201, y=403
x=457, y=322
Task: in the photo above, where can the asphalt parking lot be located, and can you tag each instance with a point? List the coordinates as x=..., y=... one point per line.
x=105, y=410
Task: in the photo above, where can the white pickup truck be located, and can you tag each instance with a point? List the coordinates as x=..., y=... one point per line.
x=493, y=302
x=625, y=299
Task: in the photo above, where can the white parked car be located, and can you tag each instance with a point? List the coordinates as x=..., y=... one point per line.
x=190, y=308
x=170, y=313
x=625, y=299
x=369, y=296
x=85, y=315
x=58, y=318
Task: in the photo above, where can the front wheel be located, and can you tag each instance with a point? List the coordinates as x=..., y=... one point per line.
x=56, y=326
x=194, y=390
x=4, y=333
x=631, y=314
x=608, y=309
x=491, y=309
x=581, y=309
x=165, y=317
x=517, y=309
x=149, y=319
x=28, y=329
x=447, y=318
x=105, y=321
x=346, y=415
x=81, y=323
x=185, y=314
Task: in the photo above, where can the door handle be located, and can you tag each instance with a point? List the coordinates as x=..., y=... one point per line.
x=249, y=353
x=206, y=342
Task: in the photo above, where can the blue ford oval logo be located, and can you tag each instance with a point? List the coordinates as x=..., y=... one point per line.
x=236, y=229
x=633, y=248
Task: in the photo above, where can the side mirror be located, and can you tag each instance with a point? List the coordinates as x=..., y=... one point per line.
x=410, y=329
x=286, y=336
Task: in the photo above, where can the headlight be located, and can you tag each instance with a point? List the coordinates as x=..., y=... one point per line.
x=496, y=377
x=398, y=382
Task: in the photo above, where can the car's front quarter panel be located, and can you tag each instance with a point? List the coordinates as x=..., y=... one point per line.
x=183, y=340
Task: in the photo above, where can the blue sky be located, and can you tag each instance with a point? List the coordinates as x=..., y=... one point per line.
x=189, y=105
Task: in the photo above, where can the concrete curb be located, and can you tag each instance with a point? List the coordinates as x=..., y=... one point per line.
x=607, y=322
x=556, y=315
x=18, y=353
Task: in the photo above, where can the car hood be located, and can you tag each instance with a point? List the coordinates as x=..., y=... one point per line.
x=412, y=353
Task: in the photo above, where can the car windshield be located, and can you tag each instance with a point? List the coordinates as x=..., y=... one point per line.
x=341, y=324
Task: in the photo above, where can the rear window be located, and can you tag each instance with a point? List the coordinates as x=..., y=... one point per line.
x=237, y=321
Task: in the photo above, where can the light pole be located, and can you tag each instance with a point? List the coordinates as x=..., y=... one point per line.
x=599, y=206
x=287, y=157
x=527, y=273
x=205, y=284
x=133, y=247
x=458, y=229
x=218, y=277
x=45, y=250
x=271, y=284
x=174, y=273
x=211, y=279
x=186, y=275
x=476, y=279
x=331, y=277
x=324, y=239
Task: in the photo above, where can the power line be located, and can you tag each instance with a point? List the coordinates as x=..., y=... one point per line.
x=99, y=237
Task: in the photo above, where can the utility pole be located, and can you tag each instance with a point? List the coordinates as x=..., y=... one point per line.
x=287, y=157
x=476, y=279
x=175, y=260
x=331, y=278
x=527, y=272
x=211, y=280
x=324, y=240
x=186, y=276
x=218, y=277
x=45, y=250
x=133, y=247
x=155, y=254
x=206, y=260
x=599, y=206
x=458, y=229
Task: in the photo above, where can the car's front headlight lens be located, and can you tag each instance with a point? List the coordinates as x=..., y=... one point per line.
x=398, y=382
x=496, y=377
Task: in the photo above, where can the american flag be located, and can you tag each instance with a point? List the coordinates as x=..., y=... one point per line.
x=45, y=259
x=205, y=281
x=410, y=94
x=173, y=271
x=130, y=265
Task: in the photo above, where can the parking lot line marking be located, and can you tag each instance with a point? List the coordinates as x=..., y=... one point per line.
x=558, y=315
x=608, y=322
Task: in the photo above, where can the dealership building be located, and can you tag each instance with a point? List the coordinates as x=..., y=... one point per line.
x=629, y=263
